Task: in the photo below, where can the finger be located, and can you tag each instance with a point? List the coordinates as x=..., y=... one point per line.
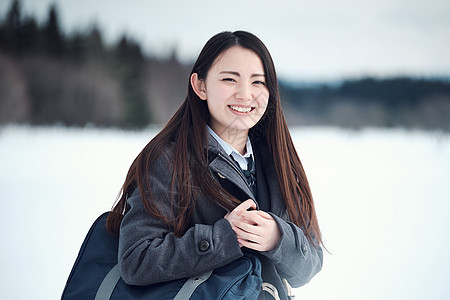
x=250, y=245
x=252, y=217
x=249, y=228
x=246, y=235
x=265, y=215
x=246, y=205
x=241, y=207
x=244, y=217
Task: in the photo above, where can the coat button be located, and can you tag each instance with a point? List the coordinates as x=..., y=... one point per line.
x=221, y=175
x=203, y=245
x=304, y=249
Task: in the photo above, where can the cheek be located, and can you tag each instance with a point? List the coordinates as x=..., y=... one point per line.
x=263, y=101
x=218, y=92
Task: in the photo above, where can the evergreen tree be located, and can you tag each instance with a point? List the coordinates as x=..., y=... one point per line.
x=76, y=48
x=129, y=62
x=29, y=36
x=53, y=39
x=94, y=45
x=9, y=33
x=19, y=35
x=13, y=17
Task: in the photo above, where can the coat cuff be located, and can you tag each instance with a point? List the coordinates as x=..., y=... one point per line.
x=219, y=239
x=290, y=244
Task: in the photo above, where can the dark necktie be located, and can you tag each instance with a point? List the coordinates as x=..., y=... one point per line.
x=249, y=174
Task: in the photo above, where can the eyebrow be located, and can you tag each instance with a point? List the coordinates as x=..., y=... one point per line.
x=239, y=75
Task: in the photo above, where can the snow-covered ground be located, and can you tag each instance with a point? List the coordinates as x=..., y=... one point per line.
x=382, y=197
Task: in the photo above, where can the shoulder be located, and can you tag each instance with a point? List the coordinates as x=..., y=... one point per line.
x=165, y=155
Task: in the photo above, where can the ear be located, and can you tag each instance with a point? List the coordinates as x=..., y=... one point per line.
x=198, y=86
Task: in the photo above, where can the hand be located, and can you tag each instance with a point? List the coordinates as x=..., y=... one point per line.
x=233, y=216
x=254, y=229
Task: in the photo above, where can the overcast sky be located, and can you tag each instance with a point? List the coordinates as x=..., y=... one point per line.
x=309, y=40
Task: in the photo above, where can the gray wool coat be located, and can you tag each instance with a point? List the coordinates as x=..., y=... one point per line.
x=149, y=252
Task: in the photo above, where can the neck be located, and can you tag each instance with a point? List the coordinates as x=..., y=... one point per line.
x=237, y=139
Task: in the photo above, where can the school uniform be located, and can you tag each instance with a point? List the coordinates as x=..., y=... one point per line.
x=149, y=252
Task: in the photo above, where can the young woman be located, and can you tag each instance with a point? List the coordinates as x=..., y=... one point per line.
x=222, y=177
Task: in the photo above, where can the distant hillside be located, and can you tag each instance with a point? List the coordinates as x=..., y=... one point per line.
x=406, y=102
x=51, y=77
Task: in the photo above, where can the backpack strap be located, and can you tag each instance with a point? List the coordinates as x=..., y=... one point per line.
x=111, y=279
x=271, y=289
x=190, y=285
x=108, y=284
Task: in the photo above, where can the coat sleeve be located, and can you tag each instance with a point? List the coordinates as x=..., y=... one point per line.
x=295, y=258
x=149, y=252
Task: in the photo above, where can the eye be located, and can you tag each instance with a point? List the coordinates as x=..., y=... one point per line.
x=259, y=82
x=229, y=79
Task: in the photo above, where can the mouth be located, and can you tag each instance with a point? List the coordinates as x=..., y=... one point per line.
x=241, y=109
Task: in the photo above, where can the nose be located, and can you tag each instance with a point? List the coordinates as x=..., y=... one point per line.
x=244, y=92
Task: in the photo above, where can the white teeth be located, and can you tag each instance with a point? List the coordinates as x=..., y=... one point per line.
x=241, y=109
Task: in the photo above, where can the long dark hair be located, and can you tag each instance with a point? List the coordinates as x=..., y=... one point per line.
x=187, y=129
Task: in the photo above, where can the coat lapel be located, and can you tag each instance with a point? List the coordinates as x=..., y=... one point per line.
x=268, y=189
x=224, y=169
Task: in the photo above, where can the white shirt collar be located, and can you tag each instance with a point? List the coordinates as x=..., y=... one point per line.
x=230, y=150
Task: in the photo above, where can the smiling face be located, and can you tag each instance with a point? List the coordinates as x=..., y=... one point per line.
x=235, y=91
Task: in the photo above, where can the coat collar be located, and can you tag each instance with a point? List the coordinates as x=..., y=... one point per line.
x=222, y=165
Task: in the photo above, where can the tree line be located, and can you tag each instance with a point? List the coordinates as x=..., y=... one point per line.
x=48, y=76
x=390, y=102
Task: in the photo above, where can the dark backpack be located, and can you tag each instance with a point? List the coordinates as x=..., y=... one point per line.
x=95, y=275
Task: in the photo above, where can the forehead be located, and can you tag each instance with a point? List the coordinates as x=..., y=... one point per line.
x=238, y=59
